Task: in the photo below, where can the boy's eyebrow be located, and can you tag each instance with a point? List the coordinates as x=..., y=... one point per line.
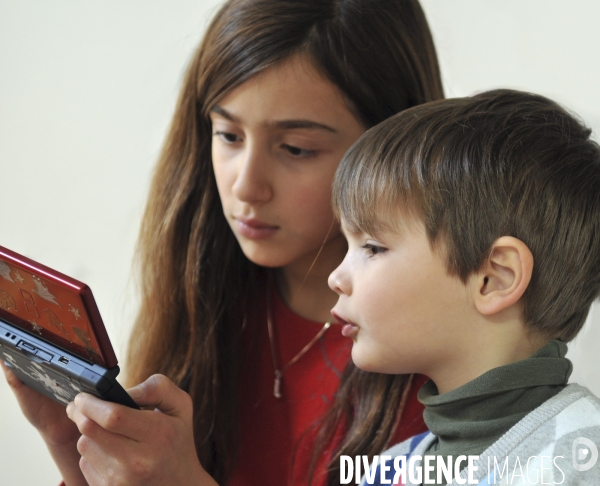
x=284, y=124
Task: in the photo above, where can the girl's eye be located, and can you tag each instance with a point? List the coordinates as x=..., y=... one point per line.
x=299, y=152
x=374, y=249
x=227, y=137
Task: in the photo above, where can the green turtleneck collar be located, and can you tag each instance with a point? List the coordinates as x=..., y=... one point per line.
x=468, y=419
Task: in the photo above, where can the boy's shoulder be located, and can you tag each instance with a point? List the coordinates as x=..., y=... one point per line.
x=557, y=442
x=574, y=411
x=561, y=437
x=574, y=408
x=558, y=423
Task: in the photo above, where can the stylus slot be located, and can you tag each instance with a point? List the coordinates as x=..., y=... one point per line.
x=32, y=350
x=28, y=347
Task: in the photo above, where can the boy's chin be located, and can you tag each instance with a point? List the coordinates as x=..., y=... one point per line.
x=367, y=361
x=371, y=362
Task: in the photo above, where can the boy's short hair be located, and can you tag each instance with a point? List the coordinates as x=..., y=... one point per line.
x=501, y=163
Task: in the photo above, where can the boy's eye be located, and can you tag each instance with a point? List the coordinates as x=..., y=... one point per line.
x=374, y=249
x=227, y=137
x=299, y=152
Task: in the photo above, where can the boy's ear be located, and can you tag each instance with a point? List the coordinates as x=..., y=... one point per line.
x=504, y=276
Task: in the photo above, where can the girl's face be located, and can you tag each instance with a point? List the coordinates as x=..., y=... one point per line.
x=277, y=141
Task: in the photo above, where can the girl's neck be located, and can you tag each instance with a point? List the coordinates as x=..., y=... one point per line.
x=304, y=289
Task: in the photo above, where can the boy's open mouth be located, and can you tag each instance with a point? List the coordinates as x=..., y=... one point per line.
x=349, y=329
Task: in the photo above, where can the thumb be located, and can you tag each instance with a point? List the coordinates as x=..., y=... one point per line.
x=161, y=393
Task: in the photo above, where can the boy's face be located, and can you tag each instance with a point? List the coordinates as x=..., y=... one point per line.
x=397, y=302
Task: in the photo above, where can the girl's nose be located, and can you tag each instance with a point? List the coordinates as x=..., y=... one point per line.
x=253, y=181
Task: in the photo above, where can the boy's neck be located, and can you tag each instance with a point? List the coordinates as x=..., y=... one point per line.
x=493, y=343
x=471, y=418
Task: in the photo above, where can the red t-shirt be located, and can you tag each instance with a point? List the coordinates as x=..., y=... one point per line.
x=272, y=427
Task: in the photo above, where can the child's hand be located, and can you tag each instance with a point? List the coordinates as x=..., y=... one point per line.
x=46, y=415
x=51, y=421
x=123, y=446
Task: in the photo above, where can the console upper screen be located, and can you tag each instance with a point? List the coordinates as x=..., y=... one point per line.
x=53, y=306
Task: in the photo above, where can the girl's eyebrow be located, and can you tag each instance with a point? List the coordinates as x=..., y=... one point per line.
x=224, y=113
x=291, y=124
x=284, y=124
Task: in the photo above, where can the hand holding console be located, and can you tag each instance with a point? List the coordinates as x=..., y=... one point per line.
x=55, y=350
x=50, y=419
x=122, y=446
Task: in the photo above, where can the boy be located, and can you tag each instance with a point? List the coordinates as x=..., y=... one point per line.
x=473, y=230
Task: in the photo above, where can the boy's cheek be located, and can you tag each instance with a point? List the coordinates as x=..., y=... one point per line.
x=374, y=356
x=365, y=353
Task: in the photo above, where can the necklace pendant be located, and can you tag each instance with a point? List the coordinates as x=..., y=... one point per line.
x=277, y=384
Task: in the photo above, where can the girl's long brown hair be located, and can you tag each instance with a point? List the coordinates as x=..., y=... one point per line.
x=194, y=276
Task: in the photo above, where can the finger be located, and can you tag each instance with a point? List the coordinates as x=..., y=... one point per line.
x=116, y=468
x=94, y=454
x=22, y=392
x=20, y=389
x=101, y=467
x=96, y=418
x=25, y=395
x=113, y=459
x=11, y=378
x=161, y=393
x=38, y=409
x=91, y=475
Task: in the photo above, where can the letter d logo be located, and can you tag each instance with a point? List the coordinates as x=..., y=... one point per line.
x=588, y=453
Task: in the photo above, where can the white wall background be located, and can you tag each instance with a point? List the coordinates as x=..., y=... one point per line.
x=86, y=93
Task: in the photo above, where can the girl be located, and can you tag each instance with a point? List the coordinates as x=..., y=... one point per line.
x=236, y=245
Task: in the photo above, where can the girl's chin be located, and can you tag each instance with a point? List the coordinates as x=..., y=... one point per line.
x=265, y=257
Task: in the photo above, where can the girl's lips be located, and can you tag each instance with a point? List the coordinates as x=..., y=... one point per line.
x=348, y=328
x=254, y=229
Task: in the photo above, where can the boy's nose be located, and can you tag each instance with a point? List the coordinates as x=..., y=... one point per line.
x=338, y=281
